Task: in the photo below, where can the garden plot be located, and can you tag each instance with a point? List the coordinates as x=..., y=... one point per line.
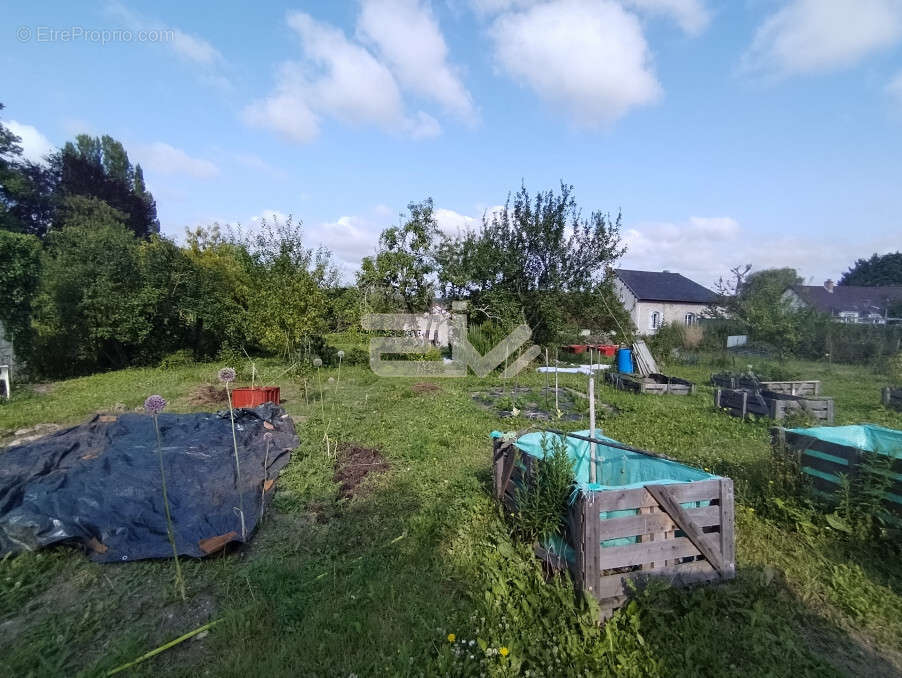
x=777, y=406
x=532, y=403
x=634, y=515
x=655, y=383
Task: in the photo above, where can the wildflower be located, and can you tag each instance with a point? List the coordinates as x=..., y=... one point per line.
x=154, y=404
x=503, y=651
x=227, y=375
x=341, y=354
x=267, y=436
x=317, y=362
x=451, y=637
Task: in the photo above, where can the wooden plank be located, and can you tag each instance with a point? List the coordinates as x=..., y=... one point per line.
x=727, y=529
x=591, y=545
x=692, y=572
x=637, y=554
x=633, y=526
x=692, y=530
x=616, y=500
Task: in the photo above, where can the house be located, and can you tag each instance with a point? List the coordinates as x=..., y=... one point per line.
x=847, y=303
x=653, y=298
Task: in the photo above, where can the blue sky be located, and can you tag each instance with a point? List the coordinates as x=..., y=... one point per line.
x=752, y=131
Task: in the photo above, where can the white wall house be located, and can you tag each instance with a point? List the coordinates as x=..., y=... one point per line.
x=653, y=298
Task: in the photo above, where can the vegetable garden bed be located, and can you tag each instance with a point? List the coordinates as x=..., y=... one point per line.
x=804, y=387
x=777, y=406
x=655, y=383
x=645, y=516
x=827, y=453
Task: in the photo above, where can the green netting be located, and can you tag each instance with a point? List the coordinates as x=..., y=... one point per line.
x=614, y=468
x=867, y=437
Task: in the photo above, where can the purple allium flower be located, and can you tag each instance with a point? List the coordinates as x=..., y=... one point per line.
x=226, y=375
x=267, y=436
x=317, y=362
x=154, y=404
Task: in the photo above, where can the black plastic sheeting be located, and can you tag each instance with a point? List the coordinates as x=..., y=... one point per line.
x=98, y=484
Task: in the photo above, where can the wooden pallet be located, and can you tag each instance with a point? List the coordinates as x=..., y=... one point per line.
x=743, y=402
x=825, y=462
x=682, y=545
x=645, y=362
x=655, y=383
x=892, y=398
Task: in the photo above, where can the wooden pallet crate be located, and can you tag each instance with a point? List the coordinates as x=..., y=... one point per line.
x=777, y=406
x=892, y=398
x=655, y=383
x=682, y=532
x=802, y=387
x=825, y=462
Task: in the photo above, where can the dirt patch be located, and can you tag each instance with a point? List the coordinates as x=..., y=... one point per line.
x=208, y=394
x=424, y=387
x=355, y=463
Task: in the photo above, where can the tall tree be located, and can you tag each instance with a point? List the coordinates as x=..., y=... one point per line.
x=400, y=275
x=877, y=271
x=98, y=167
x=25, y=188
x=533, y=260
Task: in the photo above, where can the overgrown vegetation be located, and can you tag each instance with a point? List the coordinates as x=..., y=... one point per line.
x=376, y=584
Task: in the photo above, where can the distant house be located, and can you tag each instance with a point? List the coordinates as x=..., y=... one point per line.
x=653, y=298
x=847, y=303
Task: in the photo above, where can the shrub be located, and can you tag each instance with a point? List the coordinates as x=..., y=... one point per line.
x=356, y=356
x=542, y=501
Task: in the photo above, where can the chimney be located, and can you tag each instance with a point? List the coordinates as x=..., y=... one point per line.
x=829, y=285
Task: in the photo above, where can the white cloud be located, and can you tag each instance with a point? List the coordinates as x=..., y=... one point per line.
x=691, y=15
x=590, y=58
x=192, y=48
x=453, y=223
x=34, y=144
x=408, y=38
x=165, y=159
x=811, y=36
x=705, y=248
x=337, y=78
x=423, y=126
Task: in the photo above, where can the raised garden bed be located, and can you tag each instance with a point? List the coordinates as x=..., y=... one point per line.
x=655, y=383
x=892, y=398
x=645, y=517
x=827, y=453
x=777, y=406
x=805, y=387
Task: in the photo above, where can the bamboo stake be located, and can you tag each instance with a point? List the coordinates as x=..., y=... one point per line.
x=163, y=648
x=592, y=428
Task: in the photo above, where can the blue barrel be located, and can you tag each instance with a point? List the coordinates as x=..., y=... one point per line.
x=625, y=360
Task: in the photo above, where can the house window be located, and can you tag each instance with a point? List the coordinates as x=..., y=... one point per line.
x=654, y=320
x=691, y=319
x=849, y=316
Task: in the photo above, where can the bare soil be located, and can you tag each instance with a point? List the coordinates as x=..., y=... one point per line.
x=355, y=463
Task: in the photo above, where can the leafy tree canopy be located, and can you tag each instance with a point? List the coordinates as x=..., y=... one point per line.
x=877, y=271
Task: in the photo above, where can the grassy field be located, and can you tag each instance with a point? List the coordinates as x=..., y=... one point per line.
x=375, y=584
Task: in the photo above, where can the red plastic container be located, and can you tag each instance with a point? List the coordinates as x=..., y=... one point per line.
x=252, y=397
x=607, y=350
x=577, y=348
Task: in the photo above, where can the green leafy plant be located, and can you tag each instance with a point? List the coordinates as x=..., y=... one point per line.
x=542, y=500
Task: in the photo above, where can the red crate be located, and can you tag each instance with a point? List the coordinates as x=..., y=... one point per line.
x=252, y=397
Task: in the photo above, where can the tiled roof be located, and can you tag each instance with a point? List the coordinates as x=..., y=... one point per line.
x=864, y=300
x=664, y=286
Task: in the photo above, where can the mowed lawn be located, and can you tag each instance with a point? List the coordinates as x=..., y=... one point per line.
x=375, y=584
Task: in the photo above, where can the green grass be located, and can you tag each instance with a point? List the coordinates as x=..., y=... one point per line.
x=374, y=585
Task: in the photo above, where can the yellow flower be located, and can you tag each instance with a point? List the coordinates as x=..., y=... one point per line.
x=503, y=651
x=451, y=637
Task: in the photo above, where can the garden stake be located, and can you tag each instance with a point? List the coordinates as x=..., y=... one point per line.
x=557, y=407
x=227, y=376
x=592, y=428
x=546, y=378
x=163, y=648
